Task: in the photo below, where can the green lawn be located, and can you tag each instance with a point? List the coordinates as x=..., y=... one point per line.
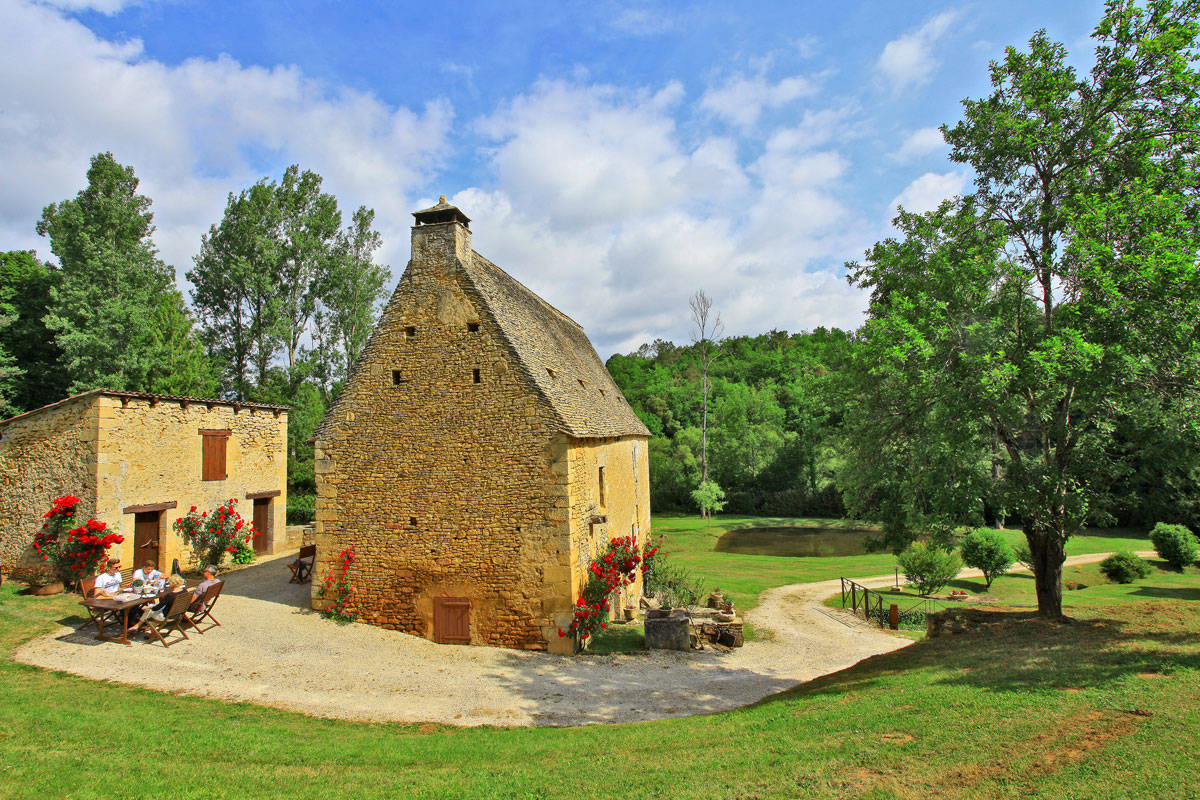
x=690, y=541
x=1104, y=707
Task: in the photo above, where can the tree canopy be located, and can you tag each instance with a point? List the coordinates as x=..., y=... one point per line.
x=1012, y=332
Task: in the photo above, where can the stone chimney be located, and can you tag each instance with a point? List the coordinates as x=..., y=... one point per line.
x=441, y=232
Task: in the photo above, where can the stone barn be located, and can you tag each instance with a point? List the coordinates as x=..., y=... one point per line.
x=478, y=457
x=138, y=462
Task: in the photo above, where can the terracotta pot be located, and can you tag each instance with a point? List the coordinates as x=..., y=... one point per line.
x=45, y=591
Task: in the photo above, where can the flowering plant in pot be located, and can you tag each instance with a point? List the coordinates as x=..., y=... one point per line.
x=616, y=567
x=73, y=552
x=213, y=534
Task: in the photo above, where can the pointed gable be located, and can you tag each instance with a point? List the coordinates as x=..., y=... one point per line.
x=555, y=354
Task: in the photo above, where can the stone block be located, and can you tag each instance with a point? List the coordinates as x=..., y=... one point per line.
x=668, y=633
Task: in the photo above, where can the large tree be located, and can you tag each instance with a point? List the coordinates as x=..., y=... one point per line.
x=308, y=246
x=1035, y=314
x=107, y=309
x=234, y=287
x=25, y=284
x=277, y=269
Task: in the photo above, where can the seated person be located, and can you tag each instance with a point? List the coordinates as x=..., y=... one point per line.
x=210, y=577
x=108, y=582
x=148, y=573
x=175, y=585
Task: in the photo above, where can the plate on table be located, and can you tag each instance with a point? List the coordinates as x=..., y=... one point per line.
x=125, y=596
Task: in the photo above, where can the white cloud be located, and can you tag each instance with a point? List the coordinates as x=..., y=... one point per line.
x=741, y=100
x=589, y=155
x=108, y=7
x=927, y=192
x=602, y=208
x=920, y=143
x=909, y=60
x=190, y=131
x=611, y=203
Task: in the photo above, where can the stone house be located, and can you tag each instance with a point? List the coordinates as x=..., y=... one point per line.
x=138, y=462
x=478, y=457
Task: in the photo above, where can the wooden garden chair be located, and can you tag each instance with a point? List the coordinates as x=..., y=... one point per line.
x=303, y=565
x=203, y=608
x=174, y=619
x=87, y=588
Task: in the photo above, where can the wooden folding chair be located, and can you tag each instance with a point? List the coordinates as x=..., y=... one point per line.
x=303, y=565
x=87, y=588
x=174, y=619
x=203, y=608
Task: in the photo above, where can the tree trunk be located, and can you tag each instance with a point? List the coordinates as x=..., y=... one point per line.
x=1048, y=556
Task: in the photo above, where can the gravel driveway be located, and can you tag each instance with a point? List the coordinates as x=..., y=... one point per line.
x=274, y=651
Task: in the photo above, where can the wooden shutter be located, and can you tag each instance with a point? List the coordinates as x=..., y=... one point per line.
x=213, y=455
x=452, y=620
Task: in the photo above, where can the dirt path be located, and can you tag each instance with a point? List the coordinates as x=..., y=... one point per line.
x=273, y=651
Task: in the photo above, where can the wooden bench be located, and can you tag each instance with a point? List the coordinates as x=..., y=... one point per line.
x=302, y=567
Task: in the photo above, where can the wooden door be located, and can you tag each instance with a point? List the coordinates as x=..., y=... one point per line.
x=452, y=620
x=262, y=524
x=145, y=539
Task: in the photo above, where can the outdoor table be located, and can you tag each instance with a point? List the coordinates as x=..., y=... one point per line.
x=98, y=607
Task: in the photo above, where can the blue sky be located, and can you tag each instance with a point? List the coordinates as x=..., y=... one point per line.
x=614, y=156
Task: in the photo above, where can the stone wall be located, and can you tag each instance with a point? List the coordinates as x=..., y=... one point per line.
x=116, y=453
x=43, y=456
x=624, y=510
x=444, y=486
x=151, y=453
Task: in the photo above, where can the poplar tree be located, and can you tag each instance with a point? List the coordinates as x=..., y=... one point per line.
x=103, y=310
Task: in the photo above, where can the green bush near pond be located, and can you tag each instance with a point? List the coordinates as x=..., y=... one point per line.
x=1175, y=544
x=1125, y=567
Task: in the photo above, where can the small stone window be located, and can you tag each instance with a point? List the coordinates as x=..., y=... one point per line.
x=475, y=376
x=410, y=332
x=473, y=327
x=397, y=378
x=602, y=393
x=412, y=521
x=550, y=372
x=581, y=383
x=600, y=477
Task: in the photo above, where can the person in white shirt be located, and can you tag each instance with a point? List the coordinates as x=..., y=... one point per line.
x=147, y=574
x=108, y=582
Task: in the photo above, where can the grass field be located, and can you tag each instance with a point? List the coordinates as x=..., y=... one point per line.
x=690, y=541
x=1103, y=707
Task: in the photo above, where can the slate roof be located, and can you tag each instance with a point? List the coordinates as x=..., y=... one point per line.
x=555, y=354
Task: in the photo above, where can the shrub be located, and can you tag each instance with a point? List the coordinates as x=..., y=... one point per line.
x=1175, y=544
x=611, y=570
x=672, y=585
x=987, y=551
x=244, y=554
x=1124, y=567
x=212, y=534
x=72, y=552
x=301, y=509
x=338, y=592
x=927, y=567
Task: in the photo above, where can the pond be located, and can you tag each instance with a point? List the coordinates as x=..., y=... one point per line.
x=792, y=541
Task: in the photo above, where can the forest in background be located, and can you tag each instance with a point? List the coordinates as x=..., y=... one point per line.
x=779, y=444
x=284, y=293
